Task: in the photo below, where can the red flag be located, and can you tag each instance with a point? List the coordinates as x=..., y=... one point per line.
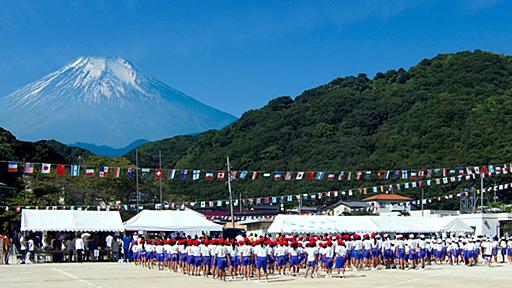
x=255, y=175
x=310, y=175
x=158, y=173
x=220, y=175
x=483, y=170
x=60, y=169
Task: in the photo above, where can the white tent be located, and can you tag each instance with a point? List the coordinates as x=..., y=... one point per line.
x=70, y=220
x=171, y=220
x=365, y=224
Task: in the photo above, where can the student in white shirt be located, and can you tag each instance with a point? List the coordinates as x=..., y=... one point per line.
x=221, y=254
x=79, y=247
x=261, y=252
x=311, y=258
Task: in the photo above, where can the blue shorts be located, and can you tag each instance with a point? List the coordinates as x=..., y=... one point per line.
x=206, y=260
x=388, y=254
x=349, y=254
x=261, y=263
x=183, y=258
x=197, y=260
x=222, y=263
x=160, y=257
x=412, y=255
x=294, y=260
x=340, y=262
x=246, y=260
x=401, y=253
x=234, y=261
x=212, y=260
x=281, y=260
x=174, y=257
x=270, y=259
x=328, y=262
x=367, y=254
x=509, y=251
x=190, y=259
x=312, y=264
x=356, y=254
x=423, y=253
x=375, y=252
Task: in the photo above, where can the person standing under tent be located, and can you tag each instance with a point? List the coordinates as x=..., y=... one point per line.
x=127, y=242
x=79, y=249
x=23, y=248
x=31, y=250
x=108, y=246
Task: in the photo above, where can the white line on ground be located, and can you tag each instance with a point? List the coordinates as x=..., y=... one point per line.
x=76, y=278
x=413, y=280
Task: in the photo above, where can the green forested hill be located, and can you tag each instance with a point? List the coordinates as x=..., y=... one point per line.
x=449, y=111
x=452, y=110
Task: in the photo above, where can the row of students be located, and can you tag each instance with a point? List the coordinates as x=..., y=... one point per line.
x=327, y=253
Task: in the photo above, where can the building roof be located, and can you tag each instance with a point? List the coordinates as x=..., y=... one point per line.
x=387, y=197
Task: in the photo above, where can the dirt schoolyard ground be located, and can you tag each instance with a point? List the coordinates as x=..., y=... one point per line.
x=126, y=275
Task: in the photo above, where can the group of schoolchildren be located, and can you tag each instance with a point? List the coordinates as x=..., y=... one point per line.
x=247, y=258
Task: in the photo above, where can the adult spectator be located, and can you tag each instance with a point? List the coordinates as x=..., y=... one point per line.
x=23, y=248
x=115, y=249
x=31, y=250
x=127, y=241
x=108, y=246
x=79, y=249
x=5, y=247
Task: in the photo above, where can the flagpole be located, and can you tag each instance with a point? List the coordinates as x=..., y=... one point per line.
x=230, y=193
x=137, y=176
x=160, y=161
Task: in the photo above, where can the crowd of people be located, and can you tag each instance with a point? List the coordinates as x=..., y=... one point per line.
x=330, y=255
x=24, y=248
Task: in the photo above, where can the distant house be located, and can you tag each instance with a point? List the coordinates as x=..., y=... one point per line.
x=390, y=202
x=346, y=207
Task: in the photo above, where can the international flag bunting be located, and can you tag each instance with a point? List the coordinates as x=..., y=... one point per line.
x=183, y=175
x=404, y=174
x=368, y=175
x=299, y=176
x=413, y=174
x=209, y=175
x=310, y=175
x=319, y=176
x=45, y=168
x=172, y=174
x=60, y=169
x=158, y=174
x=196, y=174
x=243, y=175
x=388, y=174
x=75, y=170
x=145, y=173
x=221, y=175
x=341, y=175
x=12, y=167
x=232, y=175
x=421, y=174
x=255, y=175
x=131, y=173
x=349, y=175
x=103, y=172
x=359, y=175
x=29, y=168
x=267, y=174
x=117, y=172
x=278, y=176
x=288, y=176
x=380, y=174
x=330, y=177
x=89, y=172
x=396, y=175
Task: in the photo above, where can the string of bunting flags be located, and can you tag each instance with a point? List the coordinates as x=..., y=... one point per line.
x=221, y=175
x=286, y=198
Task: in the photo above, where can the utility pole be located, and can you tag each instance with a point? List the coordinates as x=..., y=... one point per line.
x=482, y=193
x=240, y=203
x=137, y=177
x=300, y=204
x=230, y=193
x=160, y=161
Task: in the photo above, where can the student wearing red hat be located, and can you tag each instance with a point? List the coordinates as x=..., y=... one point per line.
x=206, y=256
x=312, y=257
x=329, y=258
x=262, y=252
x=341, y=257
x=173, y=265
x=293, y=251
x=246, y=256
x=221, y=258
x=183, y=254
x=197, y=259
x=280, y=253
x=159, y=252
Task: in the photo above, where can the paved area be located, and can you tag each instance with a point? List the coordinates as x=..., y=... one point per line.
x=126, y=275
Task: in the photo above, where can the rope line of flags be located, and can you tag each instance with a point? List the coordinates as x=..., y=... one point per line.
x=28, y=168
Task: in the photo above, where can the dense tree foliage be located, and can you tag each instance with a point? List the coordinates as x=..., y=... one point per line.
x=449, y=111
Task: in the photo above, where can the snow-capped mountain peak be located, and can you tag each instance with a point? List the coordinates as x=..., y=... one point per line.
x=111, y=92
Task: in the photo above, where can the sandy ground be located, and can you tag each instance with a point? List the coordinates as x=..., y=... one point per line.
x=126, y=275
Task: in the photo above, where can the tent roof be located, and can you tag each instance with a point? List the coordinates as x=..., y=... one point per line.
x=365, y=224
x=70, y=220
x=387, y=197
x=170, y=220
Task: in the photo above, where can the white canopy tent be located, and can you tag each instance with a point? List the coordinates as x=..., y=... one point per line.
x=365, y=224
x=71, y=221
x=187, y=221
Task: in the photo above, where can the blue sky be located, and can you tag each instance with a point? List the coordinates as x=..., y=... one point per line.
x=237, y=55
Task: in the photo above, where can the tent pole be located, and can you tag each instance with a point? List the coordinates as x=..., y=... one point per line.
x=137, y=176
x=160, y=162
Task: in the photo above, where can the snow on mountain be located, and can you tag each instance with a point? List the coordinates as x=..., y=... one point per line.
x=104, y=101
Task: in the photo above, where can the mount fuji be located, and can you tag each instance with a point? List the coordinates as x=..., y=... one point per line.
x=104, y=101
